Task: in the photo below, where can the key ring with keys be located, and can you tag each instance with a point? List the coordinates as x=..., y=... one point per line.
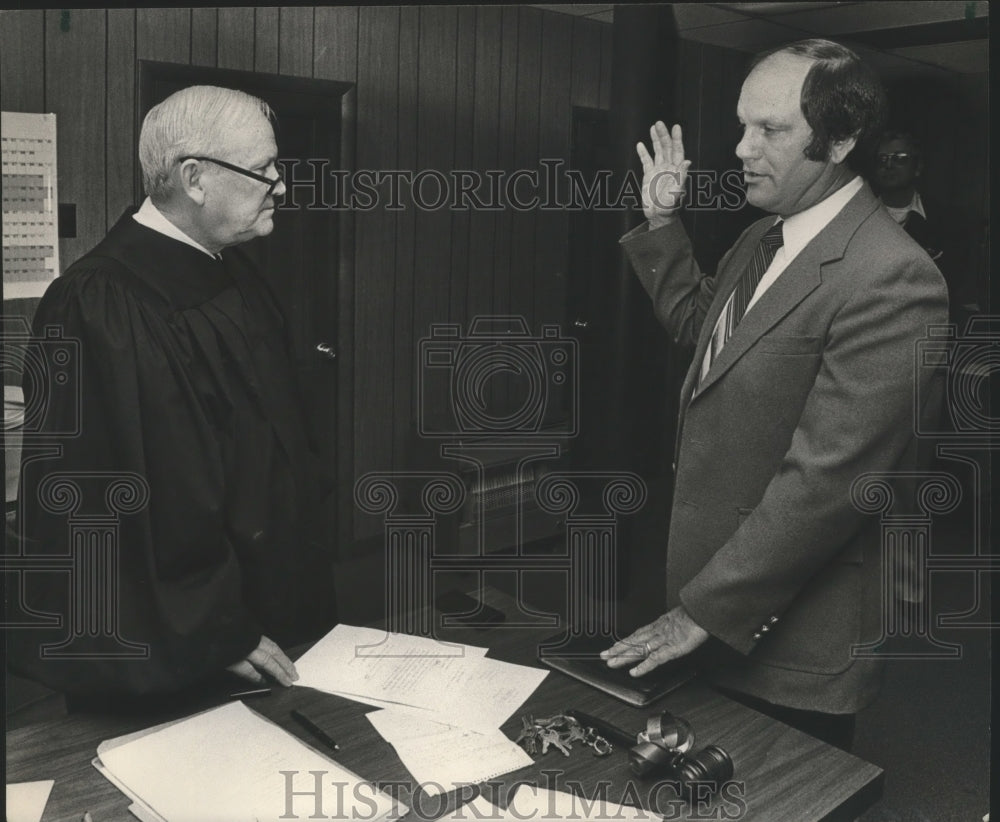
x=560, y=731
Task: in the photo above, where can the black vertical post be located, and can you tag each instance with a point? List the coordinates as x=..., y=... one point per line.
x=640, y=415
x=631, y=371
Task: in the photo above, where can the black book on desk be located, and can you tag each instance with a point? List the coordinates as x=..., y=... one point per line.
x=580, y=659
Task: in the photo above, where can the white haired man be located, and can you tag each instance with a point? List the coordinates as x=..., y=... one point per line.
x=187, y=382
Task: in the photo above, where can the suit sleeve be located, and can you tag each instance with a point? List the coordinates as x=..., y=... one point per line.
x=663, y=260
x=174, y=610
x=858, y=417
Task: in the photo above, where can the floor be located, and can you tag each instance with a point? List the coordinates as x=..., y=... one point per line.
x=930, y=727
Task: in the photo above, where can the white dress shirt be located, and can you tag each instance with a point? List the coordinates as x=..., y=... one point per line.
x=151, y=217
x=796, y=232
x=900, y=214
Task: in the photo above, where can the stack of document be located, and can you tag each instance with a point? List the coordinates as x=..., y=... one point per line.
x=443, y=702
x=232, y=764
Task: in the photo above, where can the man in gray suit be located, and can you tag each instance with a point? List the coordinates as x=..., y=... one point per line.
x=803, y=380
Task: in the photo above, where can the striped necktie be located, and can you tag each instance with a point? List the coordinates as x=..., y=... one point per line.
x=736, y=307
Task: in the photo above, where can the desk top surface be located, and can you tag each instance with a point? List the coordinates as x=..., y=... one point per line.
x=781, y=775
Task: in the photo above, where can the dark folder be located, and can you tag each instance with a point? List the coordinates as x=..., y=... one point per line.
x=580, y=659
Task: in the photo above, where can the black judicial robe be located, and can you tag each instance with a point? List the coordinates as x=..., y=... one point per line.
x=186, y=380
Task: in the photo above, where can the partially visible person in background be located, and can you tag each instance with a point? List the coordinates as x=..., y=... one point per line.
x=899, y=164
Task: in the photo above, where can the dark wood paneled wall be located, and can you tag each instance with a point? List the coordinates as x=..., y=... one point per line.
x=708, y=87
x=437, y=88
x=487, y=87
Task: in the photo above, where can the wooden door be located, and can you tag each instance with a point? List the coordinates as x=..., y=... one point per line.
x=306, y=259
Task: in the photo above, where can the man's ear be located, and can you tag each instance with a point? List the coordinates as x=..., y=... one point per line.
x=190, y=174
x=839, y=149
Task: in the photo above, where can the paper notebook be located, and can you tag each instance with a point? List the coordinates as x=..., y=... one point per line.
x=230, y=764
x=581, y=660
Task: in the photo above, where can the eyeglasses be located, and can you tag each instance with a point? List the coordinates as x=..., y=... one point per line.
x=260, y=178
x=896, y=158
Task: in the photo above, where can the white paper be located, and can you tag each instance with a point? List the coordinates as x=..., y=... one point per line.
x=455, y=684
x=26, y=800
x=541, y=805
x=227, y=763
x=442, y=758
x=30, y=203
x=484, y=693
x=138, y=808
x=359, y=660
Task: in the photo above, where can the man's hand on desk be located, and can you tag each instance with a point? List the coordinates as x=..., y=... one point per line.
x=266, y=658
x=672, y=635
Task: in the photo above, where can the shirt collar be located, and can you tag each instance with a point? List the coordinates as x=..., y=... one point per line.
x=916, y=204
x=900, y=214
x=799, y=229
x=151, y=217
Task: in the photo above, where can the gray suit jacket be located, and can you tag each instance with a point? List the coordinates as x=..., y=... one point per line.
x=816, y=387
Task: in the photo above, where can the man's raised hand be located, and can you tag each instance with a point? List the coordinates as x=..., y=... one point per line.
x=663, y=174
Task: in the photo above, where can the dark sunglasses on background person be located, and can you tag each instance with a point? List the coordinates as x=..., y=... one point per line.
x=896, y=158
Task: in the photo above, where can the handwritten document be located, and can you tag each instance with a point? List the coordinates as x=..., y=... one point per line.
x=445, y=682
x=443, y=757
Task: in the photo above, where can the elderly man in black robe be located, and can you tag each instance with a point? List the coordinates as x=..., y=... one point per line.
x=186, y=381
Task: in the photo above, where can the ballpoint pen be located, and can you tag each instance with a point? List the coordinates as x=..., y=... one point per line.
x=251, y=692
x=315, y=729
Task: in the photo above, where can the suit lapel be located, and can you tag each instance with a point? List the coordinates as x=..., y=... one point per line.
x=791, y=287
x=795, y=283
x=726, y=283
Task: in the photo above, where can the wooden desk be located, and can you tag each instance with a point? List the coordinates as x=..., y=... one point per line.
x=783, y=775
